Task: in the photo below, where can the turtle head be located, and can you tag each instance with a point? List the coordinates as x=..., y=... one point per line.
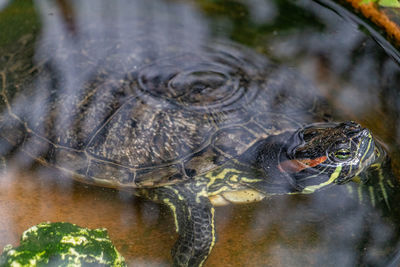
x=324, y=153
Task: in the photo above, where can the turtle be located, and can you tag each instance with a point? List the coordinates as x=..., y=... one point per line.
x=188, y=128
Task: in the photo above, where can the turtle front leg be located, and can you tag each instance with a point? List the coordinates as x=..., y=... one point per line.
x=194, y=221
x=196, y=232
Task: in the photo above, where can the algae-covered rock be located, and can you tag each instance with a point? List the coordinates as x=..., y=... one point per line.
x=62, y=244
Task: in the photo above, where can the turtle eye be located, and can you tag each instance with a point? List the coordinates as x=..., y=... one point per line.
x=342, y=154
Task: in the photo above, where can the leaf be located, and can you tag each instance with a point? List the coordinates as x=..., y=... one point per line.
x=389, y=3
x=367, y=1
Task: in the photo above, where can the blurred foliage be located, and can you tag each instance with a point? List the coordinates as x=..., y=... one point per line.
x=236, y=19
x=385, y=3
x=17, y=19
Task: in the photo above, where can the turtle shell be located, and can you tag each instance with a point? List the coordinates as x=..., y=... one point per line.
x=145, y=117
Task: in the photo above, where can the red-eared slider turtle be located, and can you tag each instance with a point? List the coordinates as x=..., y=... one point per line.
x=188, y=128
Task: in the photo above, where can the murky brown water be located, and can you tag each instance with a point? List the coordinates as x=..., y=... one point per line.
x=283, y=231
x=328, y=228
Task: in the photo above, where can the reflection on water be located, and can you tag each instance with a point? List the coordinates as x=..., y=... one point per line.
x=67, y=78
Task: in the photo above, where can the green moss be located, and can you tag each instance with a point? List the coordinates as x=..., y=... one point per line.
x=62, y=244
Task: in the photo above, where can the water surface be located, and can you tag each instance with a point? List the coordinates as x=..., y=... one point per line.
x=339, y=226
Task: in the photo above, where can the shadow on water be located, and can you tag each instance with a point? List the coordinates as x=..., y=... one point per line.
x=56, y=52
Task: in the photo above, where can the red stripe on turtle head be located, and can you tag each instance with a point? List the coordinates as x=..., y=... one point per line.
x=297, y=165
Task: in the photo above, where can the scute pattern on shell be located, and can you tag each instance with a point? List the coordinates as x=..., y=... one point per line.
x=142, y=135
